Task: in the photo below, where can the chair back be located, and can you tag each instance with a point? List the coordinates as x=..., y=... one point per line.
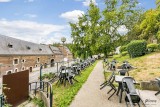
x=123, y=72
x=128, y=85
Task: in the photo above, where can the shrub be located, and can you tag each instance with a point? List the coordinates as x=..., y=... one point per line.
x=123, y=48
x=158, y=46
x=137, y=48
x=124, y=53
x=152, y=47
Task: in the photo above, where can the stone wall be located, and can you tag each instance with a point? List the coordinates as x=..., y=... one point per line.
x=150, y=85
x=24, y=62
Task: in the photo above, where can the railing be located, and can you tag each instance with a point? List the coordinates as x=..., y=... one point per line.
x=2, y=101
x=46, y=88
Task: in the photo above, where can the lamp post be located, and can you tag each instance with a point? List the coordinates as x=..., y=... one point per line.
x=63, y=39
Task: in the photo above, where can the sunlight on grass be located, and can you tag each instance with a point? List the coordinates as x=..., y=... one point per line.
x=147, y=66
x=63, y=96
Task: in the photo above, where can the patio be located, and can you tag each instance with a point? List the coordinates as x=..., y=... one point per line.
x=91, y=96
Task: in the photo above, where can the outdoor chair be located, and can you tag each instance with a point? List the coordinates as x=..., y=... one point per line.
x=131, y=95
x=109, y=82
x=123, y=72
x=126, y=65
x=70, y=76
x=158, y=81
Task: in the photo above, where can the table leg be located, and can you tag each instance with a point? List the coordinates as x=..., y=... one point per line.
x=119, y=87
x=157, y=93
x=120, y=97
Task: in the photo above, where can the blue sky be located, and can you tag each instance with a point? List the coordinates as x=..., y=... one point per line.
x=45, y=21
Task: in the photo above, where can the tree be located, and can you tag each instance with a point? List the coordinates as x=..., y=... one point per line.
x=158, y=4
x=99, y=31
x=116, y=14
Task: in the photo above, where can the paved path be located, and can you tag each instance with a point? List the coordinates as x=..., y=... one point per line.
x=91, y=96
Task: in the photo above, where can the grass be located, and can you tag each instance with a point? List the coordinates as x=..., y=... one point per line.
x=147, y=66
x=63, y=96
x=38, y=102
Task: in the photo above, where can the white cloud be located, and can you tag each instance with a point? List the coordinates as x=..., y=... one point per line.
x=30, y=31
x=122, y=30
x=87, y=2
x=72, y=15
x=31, y=15
x=5, y=0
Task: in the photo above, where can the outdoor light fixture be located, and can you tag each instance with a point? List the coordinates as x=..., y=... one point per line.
x=63, y=39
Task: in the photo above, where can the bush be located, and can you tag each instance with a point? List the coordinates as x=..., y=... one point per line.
x=152, y=47
x=158, y=46
x=124, y=53
x=137, y=48
x=123, y=48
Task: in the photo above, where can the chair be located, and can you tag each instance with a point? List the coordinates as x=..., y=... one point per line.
x=158, y=81
x=70, y=76
x=109, y=82
x=131, y=95
x=123, y=72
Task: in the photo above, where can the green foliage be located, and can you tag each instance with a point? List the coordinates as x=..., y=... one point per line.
x=99, y=31
x=48, y=76
x=158, y=47
x=152, y=47
x=116, y=56
x=38, y=102
x=123, y=48
x=124, y=53
x=137, y=48
x=63, y=96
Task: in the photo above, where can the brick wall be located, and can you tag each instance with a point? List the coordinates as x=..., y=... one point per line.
x=24, y=62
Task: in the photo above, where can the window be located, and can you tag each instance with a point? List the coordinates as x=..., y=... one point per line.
x=9, y=72
x=36, y=65
x=40, y=49
x=16, y=70
x=38, y=60
x=23, y=60
x=10, y=45
x=16, y=61
x=28, y=47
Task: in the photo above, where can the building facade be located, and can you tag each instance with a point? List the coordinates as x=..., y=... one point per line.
x=66, y=52
x=18, y=55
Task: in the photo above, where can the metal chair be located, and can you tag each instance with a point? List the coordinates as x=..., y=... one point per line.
x=123, y=72
x=158, y=81
x=131, y=95
x=109, y=82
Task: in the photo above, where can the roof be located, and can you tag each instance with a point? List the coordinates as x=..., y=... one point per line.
x=55, y=50
x=12, y=46
x=67, y=49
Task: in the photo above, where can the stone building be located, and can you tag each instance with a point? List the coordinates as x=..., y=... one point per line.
x=66, y=52
x=18, y=55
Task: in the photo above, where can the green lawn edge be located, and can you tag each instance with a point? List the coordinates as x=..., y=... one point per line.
x=63, y=96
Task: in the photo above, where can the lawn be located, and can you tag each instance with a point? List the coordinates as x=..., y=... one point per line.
x=63, y=96
x=148, y=66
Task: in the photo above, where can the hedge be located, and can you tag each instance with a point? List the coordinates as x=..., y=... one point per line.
x=152, y=47
x=137, y=48
x=123, y=48
x=124, y=53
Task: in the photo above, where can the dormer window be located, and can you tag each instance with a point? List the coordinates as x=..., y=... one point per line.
x=28, y=47
x=10, y=45
x=40, y=49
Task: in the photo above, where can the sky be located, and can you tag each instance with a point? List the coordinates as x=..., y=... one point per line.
x=46, y=21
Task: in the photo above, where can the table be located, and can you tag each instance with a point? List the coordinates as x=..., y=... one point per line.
x=118, y=79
